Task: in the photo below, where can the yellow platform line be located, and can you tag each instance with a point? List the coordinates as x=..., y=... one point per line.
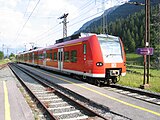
x=104, y=95
x=7, y=106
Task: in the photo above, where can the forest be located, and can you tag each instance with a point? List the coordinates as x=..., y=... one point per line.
x=132, y=30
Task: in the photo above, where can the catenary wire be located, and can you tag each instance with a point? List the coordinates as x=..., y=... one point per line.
x=27, y=20
x=49, y=36
x=89, y=2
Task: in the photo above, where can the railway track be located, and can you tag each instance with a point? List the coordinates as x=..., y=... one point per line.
x=144, y=95
x=54, y=104
x=140, y=94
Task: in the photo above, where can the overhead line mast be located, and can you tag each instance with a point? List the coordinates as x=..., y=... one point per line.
x=104, y=19
x=64, y=17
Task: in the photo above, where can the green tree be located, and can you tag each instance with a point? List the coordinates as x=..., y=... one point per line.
x=137, y=41
x=130, y=42
x=141, y=36
x=11, y=56
x=1, y=55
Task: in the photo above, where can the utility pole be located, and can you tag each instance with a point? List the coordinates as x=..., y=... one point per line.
x=148, y=35
x=103, y=19
x=64, y=17
x=147, y=44
x=25, y=46
x=3, y=50
x=159, y=39
x=146, y=40
x=32, y=44
x=7, y=52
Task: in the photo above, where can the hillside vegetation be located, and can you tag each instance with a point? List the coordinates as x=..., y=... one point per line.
x=132, y=30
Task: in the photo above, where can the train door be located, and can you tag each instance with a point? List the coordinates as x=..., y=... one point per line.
x=44, y=58
x=33, y=58
x=60, y=60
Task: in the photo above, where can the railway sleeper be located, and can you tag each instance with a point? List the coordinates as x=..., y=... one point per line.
x=61, y=107
x=74, y=116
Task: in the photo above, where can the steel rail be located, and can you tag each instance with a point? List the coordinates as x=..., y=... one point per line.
x=32, y=94
x=137, y=91
x=134, y=90
x=49, y=83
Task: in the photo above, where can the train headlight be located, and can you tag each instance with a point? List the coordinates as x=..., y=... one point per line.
x=99, y=64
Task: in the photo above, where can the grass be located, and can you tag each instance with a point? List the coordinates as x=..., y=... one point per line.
x=134, y=59
x=140, y=70
x=134, y=78
x=4, y=61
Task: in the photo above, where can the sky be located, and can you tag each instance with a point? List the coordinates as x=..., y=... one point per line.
x=24, y=23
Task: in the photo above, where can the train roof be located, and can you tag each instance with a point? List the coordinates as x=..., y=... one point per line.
x=81, y=35
x=78, y=38
x=71, y=39
x=31, y=50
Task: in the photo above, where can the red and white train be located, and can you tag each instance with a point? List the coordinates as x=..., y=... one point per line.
x=99, y=58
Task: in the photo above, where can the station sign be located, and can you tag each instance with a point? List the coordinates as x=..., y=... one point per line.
x=145, y=51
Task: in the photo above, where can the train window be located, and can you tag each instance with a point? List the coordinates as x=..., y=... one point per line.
x=40, y=56
x=51, y=56
x=30, y=56
x=111, y=49
x=55, y=55
x=66, y=56
x=25, y=57
x=73, y=56
x=44, y=55
x=84, y=49
x=35, y=57
x=47, y=55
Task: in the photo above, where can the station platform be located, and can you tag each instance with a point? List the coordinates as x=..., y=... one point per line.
x=131, y=108
x=12, y=103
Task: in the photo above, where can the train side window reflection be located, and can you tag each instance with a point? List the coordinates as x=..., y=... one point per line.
x=84, y=49
x=73, y=56
x=55, y=56
x=51, y=56
x=66, y=56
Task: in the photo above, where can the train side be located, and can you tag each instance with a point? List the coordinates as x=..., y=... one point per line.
x=98, y=58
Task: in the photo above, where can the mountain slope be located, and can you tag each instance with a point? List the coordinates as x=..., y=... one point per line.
x=117, y=12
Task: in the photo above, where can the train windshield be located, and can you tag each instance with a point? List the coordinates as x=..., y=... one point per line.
x=111, y=49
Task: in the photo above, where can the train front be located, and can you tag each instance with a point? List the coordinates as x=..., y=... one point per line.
x=114, y=59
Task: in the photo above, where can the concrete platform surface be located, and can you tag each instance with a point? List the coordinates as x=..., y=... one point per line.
x=12, y=103
x=129, y=107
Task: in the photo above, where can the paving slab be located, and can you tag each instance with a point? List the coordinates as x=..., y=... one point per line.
x=18, y=107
